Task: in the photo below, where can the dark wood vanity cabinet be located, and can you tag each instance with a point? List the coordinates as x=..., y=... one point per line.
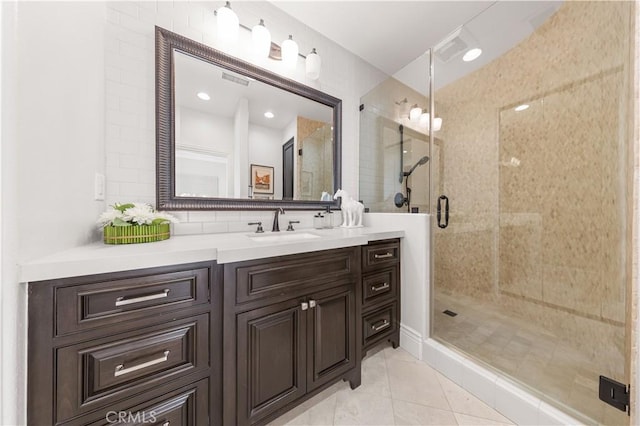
x=292, y=328
x=142, y=345
x=207, y=344
x=380, y=293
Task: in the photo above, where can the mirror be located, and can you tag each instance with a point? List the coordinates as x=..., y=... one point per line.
x=219, y=148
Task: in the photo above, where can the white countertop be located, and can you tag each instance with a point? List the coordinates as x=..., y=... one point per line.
x=100, y=258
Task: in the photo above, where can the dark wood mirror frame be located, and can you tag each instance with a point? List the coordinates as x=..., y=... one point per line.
x=166, y=43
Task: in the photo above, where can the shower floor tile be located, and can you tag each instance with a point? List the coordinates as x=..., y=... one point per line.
x=529, y=354
x=396, y=389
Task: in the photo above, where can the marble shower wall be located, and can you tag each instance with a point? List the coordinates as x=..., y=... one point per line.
x=315, y=140
x=539, y=197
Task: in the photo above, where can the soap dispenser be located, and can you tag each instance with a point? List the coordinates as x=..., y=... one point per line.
x=318, y=221
x=328, y=218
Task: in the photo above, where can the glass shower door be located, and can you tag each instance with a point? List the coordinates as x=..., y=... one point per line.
x=533, y=267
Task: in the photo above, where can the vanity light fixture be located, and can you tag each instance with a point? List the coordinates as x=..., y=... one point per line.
x=228, y=23
x=437, y=122
x=269, y=114
x=290, y=52
x=472, y=54
x=261, y=40
x=204, y=96
x=424, y=119
x=415, y=112
x=313, y=64
x=521, y=107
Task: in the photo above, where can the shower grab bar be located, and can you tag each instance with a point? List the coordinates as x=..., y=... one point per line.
x=446, y=212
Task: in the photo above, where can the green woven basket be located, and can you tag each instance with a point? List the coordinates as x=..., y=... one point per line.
x=136, y=234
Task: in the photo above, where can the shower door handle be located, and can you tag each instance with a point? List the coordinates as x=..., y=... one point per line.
x=446, y=212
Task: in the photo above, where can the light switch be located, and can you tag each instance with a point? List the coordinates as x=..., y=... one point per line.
x=98, y=187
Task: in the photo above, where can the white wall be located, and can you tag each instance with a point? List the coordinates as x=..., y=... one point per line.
x=52, y=144
x=205, y=131
x=265, y=149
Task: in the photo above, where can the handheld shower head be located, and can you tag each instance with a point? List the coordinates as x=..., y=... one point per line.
x=420, y=162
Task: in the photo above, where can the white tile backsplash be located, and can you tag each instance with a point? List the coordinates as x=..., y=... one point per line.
x=187, y=228
x=215, y=227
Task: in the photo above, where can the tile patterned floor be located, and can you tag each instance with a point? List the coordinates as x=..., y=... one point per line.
x=396, y=389
x=526, y=352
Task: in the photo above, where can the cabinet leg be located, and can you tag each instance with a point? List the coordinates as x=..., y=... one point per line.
x=355, y=378
x=395, y=341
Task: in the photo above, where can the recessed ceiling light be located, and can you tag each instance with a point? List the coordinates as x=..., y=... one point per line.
x=472, y=54
x=204, y=96
x=522, y=107
x=268, y=114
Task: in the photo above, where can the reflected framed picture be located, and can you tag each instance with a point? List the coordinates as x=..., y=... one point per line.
x=262, y=179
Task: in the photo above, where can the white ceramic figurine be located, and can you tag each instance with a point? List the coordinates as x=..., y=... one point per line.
x=352, y=210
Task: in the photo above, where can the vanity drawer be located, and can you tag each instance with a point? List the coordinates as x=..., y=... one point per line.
x=186, y=407
x=379, y=323
x=379, y=285
x=100, y=372
x=288, y=276
x=98, y=303
x=380, y=254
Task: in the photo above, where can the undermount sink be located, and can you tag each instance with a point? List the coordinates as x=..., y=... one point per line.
x=270, y=238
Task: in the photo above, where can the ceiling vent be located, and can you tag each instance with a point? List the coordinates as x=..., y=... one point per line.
x=235, y=79
x=454, y=45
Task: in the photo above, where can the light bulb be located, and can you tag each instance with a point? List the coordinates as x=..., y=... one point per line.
x=204, y=96
x=290, y=52
x=228, y=24
x=261, y=40
x=313, y=64
x=415, y=112
x=437, y=124
x=521, y=107
x=424, y=119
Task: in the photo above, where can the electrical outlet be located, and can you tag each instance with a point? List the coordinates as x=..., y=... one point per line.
x=98, y=187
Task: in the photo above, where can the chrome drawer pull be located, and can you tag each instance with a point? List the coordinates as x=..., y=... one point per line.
x=384, y=325
x=383, y=256
x=121, y=301
x=121, y=371
x=381, y=287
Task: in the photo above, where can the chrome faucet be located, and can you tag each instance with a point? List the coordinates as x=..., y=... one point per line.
x=276, y=223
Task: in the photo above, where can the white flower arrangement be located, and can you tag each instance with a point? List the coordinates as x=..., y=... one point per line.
x=133, y=214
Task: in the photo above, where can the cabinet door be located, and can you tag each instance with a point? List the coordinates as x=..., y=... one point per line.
x=271, y=359
x=331, y=346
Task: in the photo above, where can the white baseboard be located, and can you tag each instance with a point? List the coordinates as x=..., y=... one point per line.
x=411, y=341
